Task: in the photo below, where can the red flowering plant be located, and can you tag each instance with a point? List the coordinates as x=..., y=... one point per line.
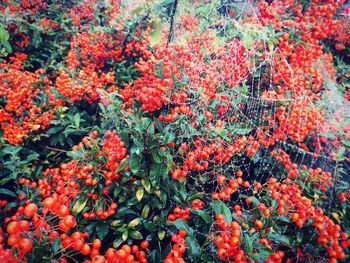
x=173, y=131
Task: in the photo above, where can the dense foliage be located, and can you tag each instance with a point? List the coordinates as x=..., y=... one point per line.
x=174, y=131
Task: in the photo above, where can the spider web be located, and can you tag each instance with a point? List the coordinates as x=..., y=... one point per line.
x=229, y=41
x=249, y=101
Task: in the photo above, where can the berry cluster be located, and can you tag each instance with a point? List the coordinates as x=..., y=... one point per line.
x=20, y=115
x=180, y=213
x=228, y=243
x=178, y=248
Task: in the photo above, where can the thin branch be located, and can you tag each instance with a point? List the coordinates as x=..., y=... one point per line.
x=56, y=149
x=140, y=23
x=172, y=15
x=335, y=183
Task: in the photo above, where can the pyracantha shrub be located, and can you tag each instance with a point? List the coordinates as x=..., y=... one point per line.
x=174, y=131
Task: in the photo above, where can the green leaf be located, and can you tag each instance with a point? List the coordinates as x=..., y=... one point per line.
x=163, y=197
x=182, y=192
x=135, y=222
x=135, y=163
x=118, y=242
x=125, y=235
x=280, y=239
x=169, y=162
x=76, y=155
x=270, y=45
x=7, y=46
x=203, y=215
x=155, y=256
x=136, y=235
x=217, y=207
x=181, y=224
x=346, y=142
x=31, y=157
x=79, y=206
x=145, y=211
x=161, y=234
x=156, y=157
x=15, y=252
x=76, y=119
x=37, y=40
x=124, y=211
x=261, y=252
x=205, y=258
x=56, y=245
x=102, y=230
x=155, y=35
x=7, y=192
x=123, y=164
x=226, y=212
x=9, y=149
x=117, y=191
x=242, y=131
x=155, y=173
x=159, y=125
x=139, y=194
x=247, y=40
x=169, y=137
x=340, y=153
x=220, y=208
x=194, y=247
x=146, y=184
x=283, y=219
x=248, y=244
x=4, y=35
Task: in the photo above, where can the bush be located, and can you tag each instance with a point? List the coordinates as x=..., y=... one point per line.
x=192, y=131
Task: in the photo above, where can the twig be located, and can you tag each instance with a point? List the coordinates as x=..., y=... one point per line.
x=56, y=149
x=335, y=182
x=130, y=30
x=172, y=15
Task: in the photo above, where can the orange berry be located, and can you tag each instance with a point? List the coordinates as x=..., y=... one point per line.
x=258, y=224
x=144, y=244
x=96, y=243
x=30, y=210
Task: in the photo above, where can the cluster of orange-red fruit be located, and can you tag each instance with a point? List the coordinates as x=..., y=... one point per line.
x=184, y=214
x=126, y=254
x=178, y=249
x=293, y=204
x=52, y=217
x=197, y=204
x=114, y=149
x=89, y=53
x=291, y=198
x=199, y=158
x=150, y=89
x=20, y=115
x=25, y=6
x=154, y=91
x=17, y=230
x=299, y=123
x=234, y=63
x=185, y=63
x=228, y=243
x=296, y=72
x=345, y=197
x=70, y=179
x=322, y=179
x=176, y=60
x=29, y=221
x=225, y=154
x=228, y=189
